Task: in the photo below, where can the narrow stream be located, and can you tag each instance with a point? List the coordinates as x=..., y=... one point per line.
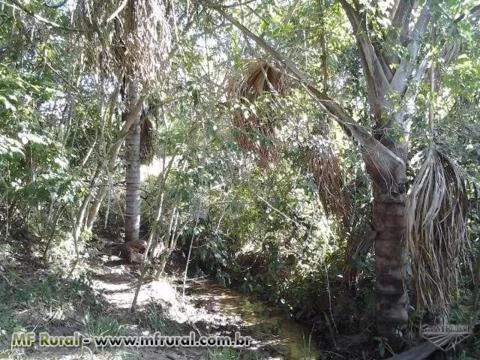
x=274, y=330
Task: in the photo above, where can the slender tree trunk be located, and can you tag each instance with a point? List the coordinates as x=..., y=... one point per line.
x=132, y=213
x=112, y=155
x=95, y=207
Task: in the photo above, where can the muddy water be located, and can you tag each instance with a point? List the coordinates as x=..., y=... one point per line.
x=272, y=329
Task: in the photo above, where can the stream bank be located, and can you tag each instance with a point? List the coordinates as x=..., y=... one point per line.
x=272, y=330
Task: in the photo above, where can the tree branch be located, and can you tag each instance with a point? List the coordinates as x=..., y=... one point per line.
x=56, y=6
x=451, y=52
x=473, y=14
x=404, y=71
x=401, y=19
x=327, y=103
x=116, y=12
x=130, y=118
x=374, y=71
x=17, y=5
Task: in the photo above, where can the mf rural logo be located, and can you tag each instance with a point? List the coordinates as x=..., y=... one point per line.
x=447, y=336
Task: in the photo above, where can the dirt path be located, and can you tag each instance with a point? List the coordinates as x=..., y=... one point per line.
x=206, y=309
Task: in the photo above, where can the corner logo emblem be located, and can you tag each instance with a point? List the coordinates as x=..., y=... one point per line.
x=447, y=336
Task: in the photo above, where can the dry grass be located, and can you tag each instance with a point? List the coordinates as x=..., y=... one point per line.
x=436, y=229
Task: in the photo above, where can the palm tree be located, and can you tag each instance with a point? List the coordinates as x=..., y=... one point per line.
x=392, y=79
x=136, y=56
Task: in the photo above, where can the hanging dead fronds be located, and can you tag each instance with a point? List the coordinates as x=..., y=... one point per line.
x=125, y=37
x=254, y=136
x=255, y=132
x=358, y=245
x=260, y=77
x=324, y=164
x=147, y=139
x=436, y=229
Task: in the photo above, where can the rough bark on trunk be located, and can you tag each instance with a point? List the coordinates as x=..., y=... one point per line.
x=132, y=213
x=389, y=223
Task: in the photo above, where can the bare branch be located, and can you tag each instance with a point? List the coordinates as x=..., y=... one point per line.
x=116, y=12
x=55, y=6
x=130, y=118
x=401, y=18
x=17, y=5
x=472, y=16
x=374, y=69
x=404, y=71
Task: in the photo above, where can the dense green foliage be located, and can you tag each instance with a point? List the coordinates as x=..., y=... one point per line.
x=274, y=230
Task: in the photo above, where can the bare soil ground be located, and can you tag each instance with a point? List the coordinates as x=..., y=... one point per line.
x=164, y=305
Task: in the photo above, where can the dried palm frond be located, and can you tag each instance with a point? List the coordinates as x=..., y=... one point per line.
x=260, y=77
x=254, y=136
x=436, y=229
x=255, y=132
x=128, y=34
x=324, y=164
x=147, y=140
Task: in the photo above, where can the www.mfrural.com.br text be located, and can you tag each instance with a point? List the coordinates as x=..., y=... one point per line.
x=44, y=339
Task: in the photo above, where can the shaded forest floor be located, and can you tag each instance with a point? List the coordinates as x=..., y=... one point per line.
x=36, y=299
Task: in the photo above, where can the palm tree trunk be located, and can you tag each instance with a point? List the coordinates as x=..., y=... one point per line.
x=132, y=213
x=390, y=227
x=389, y=222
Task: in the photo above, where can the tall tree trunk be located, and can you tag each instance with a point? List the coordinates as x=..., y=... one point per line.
x=132, y=212
x=132, y=196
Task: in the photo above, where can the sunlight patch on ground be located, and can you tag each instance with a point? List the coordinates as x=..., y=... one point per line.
x=161, y=290
x=119, y=291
